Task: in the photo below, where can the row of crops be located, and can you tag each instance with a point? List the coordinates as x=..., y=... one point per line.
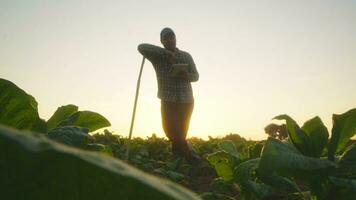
x=58, y=159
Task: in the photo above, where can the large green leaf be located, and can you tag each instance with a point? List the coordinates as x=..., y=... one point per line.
x=219, y=185
x=229, y=147
x=87, y=119
x=284, y=159
x=342, y=188
x=343, y=182
x=34, y=167
x=61, y=114
x=18, y=109
x=223, y=164
x=344, y=127
x=70, y=135
x=317, y=134
x=39, y=126
x=280, y=184
x=245, y=171
x=296, y=135
x=245, y=176
x=347, y=163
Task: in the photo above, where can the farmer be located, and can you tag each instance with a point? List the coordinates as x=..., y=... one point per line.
x=175, y=92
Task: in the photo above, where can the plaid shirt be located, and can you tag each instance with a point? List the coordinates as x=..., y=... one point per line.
x=171, y=89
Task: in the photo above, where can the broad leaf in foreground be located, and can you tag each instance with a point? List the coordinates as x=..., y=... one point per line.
x=34, y=167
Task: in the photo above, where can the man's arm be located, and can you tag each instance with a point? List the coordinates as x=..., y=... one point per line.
x=152, y=52
x=193, y=74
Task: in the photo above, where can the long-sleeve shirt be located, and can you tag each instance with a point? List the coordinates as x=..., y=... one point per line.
x=169, y=88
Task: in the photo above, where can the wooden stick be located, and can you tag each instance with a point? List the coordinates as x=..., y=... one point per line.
x=134, y=111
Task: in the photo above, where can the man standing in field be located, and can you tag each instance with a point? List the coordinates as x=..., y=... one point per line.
x=175, y=92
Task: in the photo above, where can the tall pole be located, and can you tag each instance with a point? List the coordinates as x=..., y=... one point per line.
x=134, y=111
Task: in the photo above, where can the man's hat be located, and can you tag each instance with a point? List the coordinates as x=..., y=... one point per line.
x=166, y=31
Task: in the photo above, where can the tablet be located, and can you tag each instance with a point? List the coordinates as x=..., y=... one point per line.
x=176, y=68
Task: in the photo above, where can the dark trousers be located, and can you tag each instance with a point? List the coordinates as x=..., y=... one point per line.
x=175, y=122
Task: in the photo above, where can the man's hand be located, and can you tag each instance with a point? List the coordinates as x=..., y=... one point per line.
x=182, y=75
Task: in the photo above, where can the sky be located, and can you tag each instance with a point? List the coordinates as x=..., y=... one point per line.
x=256, y=59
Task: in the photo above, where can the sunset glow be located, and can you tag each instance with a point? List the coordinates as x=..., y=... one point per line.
x=256, y=59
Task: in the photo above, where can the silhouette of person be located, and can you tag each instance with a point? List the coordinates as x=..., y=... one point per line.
x=175, y=92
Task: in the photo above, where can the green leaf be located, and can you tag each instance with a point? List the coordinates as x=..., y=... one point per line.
x=176, y=176
x=344, y=127
x=296, y=135
x=342, y=188
x=343, y=182
x=347, y=163
x=255, y=150
x=257, y=189
x=61, y=114
x=246, y=170
x=18, y=109
x=39, y=126
x=88, y=119
x=229, y=147
x=95, y=147
x=317, y=134
x=284, y=159
x=38, y=168
x=219, y=185
x=223, y=164
x=70, y=135
x=245, y=176
x=279, y=183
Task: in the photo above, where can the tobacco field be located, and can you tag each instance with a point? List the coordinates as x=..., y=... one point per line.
x=71, y=156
